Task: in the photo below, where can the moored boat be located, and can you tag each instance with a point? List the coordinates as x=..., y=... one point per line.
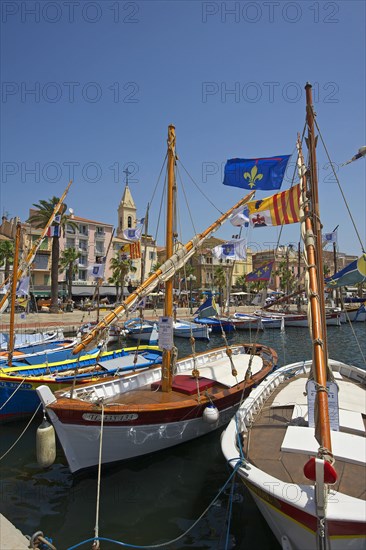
x=18, y=384
x=298, y=443
x=161, y=407
x=138, y=418
x=272, y=469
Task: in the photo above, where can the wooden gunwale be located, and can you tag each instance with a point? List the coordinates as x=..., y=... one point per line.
x=150, y=404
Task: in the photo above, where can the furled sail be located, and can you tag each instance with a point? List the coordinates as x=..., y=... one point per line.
x=163, y=274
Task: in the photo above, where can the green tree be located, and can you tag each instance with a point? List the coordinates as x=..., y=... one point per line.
x=6, y=256
x=241, y=282
x=287, y=279
x=220, y=281
x=39, y=219
x=120, y=269
x=68, y=259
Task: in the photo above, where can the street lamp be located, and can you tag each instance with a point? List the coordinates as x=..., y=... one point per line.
x=190, y=278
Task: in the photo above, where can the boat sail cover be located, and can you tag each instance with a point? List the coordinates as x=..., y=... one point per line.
x=207, y=309
x=352, y=274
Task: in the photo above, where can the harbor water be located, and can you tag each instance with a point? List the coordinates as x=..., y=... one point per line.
x=154, y=499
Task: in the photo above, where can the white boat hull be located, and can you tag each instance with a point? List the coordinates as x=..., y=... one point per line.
x=123, y=443
x=183, y=329
x=332, y=319
x=355, y=316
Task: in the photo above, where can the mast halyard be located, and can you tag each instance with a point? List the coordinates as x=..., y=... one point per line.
x=168, y=308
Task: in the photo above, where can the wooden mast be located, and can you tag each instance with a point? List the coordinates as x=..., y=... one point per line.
x=316, y=279
x=168, y=308
x=14, y=282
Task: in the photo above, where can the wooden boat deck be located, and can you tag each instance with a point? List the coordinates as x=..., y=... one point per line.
x=147, y=396
x=262, y=447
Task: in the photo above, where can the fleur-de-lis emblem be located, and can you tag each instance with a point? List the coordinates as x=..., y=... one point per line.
x=253, y=176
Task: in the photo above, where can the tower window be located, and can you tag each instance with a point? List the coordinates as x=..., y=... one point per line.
x=129, y=222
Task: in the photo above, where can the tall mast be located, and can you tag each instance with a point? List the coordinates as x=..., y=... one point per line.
x=316, y=279
x=168, y=309
x=317, y=227
x=14, y=282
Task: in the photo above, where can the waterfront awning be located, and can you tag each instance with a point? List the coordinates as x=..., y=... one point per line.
x=87, y=291
x=46, y=293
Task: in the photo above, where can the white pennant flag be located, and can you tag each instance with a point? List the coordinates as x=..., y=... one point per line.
x=240, y=216
x=232, y=250
x=133, y=234
x=23, y=287
x=96, y=270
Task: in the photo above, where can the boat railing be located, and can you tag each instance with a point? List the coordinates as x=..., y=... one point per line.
x=254, y=402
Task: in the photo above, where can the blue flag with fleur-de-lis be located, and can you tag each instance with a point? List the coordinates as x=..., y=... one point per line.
x=261, y=173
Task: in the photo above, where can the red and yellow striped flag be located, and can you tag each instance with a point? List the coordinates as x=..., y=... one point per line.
x=279, y=209
x=135, y=250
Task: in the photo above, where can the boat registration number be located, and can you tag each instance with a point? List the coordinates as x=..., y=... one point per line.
x=15, y=385
x=92, y=417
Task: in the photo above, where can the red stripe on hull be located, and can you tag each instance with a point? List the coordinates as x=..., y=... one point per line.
x=335, y=528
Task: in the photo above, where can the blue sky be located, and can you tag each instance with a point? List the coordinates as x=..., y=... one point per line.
x=108, y=78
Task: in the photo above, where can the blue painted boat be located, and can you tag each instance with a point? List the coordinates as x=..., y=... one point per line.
x=19, y=399
x=216, y=324
x=34, y=354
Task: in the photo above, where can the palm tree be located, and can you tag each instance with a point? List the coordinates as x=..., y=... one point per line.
x=6, y=256
x=120, y=269
x=68, y=259
x=287, y=279
x=220, y=281
x=241, y=282
x=39, y=219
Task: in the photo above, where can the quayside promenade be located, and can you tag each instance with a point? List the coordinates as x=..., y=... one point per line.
x=70, y=321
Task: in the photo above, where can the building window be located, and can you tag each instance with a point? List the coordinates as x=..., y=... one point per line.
x=82, y=275
x=83, y=260
x=83, y=246
x=83, y=229
x=70, y=243
x=70, y=229
x=99, y=231
x=129, y=222
x=151, y=255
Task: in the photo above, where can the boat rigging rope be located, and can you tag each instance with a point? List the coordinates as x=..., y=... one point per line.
x=96, y=545
x=12, y=395
x=21, y=435
x=337, y=180
x=173, y=541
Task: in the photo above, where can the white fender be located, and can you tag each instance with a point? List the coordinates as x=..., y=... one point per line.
x=45, y=444
x=211, y=414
